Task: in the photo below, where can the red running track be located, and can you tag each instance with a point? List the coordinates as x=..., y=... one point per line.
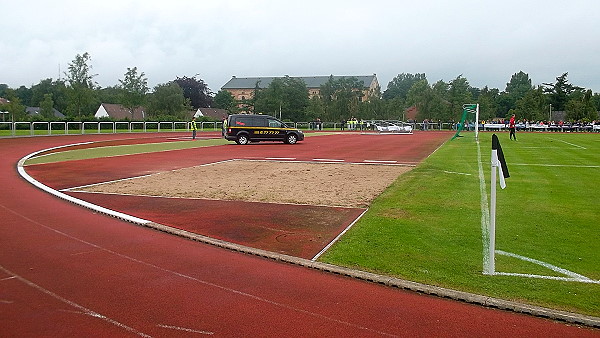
x=65, y=271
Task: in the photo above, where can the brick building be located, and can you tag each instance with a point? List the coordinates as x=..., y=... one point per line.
x=242, y=88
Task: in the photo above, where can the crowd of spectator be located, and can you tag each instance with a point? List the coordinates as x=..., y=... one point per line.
x=555, y=126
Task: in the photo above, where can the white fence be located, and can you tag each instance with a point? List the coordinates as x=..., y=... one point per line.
x=104, y=127
x=98, y=127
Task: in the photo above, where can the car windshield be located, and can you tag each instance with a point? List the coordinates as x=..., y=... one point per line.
x=276, y=124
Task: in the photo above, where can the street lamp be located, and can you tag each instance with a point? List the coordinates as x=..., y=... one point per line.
x=550, y=113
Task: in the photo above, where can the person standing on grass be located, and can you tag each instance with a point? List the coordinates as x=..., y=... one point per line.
x=511, y=127
x=194, y=127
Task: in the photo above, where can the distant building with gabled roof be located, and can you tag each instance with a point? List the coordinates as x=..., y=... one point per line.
x=242, y=88
x=119, y=112
x=37, y=111
x=213, y=113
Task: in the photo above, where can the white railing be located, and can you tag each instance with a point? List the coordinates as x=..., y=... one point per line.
x=98, y=127
x=103, y=127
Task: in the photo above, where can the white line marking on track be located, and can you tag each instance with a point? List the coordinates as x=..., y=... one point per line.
x=327, y=160
x=85, y=310
x=379, y=161
x=280, y=158
x=185, y=329
x=175, y=273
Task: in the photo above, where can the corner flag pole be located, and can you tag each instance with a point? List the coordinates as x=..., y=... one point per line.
x=492, y=226
x=477, y=122
x=498, y=164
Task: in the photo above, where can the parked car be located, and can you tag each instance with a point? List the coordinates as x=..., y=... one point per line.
x=245, y=128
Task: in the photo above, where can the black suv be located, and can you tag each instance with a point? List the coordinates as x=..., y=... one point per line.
x=244, y=128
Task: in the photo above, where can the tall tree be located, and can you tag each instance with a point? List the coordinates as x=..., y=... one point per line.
x=4, y=90
x=560, y=91
x=285, y=97
x=488, y=105
x=224, y=100
x=580, y=107
x=400, y=85
x=14, y=107
x=134, y=88
x=110, y=94
x=376, y=108
x=394, y=109
x=516, y=88
x=421, y=95
x=25, y=94
x=81, y=83
x=532, y=106
x=458, y=95
x=56, y=88
x=47, y=106
x=296, y=95
x=440, y=106
x=342, y=97
x=315, y=108
x=196, y=91
x=519, y=85
x=168, y=100
x=596, y=101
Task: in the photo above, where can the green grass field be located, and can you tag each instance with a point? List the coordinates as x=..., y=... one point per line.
x=427, y=226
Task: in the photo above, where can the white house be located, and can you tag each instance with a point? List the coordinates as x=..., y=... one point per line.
x=118, y=112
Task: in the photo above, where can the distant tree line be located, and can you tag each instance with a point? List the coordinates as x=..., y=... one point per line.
x=78, y=96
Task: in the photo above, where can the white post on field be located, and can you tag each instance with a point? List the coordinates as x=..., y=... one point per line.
x=498, y=166
x=477, y=122
x=492, y=228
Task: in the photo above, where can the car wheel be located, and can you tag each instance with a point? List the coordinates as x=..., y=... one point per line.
x=291, y=139
x=242, y=139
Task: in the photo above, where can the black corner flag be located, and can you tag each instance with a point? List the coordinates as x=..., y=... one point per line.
x=498, y=159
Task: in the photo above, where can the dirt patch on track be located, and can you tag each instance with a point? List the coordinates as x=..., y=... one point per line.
x=329, y=184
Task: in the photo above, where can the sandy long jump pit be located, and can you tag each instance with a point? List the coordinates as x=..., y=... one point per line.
x=328, y=184
x=295, y=208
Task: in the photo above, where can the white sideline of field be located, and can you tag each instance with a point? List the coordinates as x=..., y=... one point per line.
x=485, y=236
x=338, y=236
x=572, y=276
x=569, y=143
x=556, y=165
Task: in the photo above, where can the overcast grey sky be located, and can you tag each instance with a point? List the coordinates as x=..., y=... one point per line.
x=485, y=41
